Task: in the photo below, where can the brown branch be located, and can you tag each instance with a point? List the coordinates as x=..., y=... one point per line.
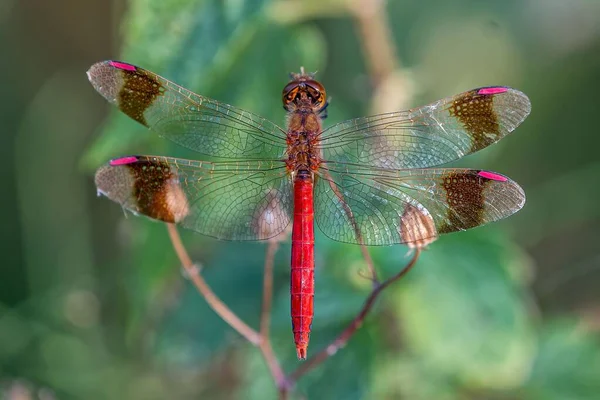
x=350, y=215
x=370, y=264
x=393, y=88
x=376, y=38
x=274, y=367
x=265, y=318
x=284, y=384
x=258, y=339
x=211, y=298
x=265, y=313
x=356, y=323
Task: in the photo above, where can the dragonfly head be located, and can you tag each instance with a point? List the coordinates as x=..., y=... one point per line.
x=303, y=89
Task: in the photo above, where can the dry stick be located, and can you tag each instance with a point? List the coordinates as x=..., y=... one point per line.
x=350, y=215
x=226, y=314
x=379, y=52
x=213, y=301
x=265, y=314
x=273, y=364
x=265, y=317
x=343, y=338
x=376, y=38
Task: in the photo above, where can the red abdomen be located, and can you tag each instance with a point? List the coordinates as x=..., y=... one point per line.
x=303, y=261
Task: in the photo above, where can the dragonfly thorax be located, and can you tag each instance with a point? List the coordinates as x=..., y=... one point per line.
x=304, y=127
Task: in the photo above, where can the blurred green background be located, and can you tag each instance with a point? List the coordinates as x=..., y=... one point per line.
x=93, y=303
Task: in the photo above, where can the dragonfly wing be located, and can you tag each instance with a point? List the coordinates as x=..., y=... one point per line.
x=226, y=200
x=190, y=120
x=428, y=136
x=384, y=207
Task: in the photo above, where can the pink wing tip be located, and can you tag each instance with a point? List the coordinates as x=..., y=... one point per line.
x=492, y=90
x=120, y=65
x=123, y=161
x=492, y=176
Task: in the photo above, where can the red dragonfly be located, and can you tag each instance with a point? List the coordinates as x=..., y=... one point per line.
x=365, y=181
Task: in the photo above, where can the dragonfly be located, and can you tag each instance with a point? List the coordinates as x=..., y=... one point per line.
x=368, y=181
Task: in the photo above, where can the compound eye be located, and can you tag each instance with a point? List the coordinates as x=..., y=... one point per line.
x=289, y=92
x=316, y=90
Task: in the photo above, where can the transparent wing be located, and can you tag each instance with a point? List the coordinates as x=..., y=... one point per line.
x=384, y=207
x=428, y=136
x=226, y=200
x=188, y=119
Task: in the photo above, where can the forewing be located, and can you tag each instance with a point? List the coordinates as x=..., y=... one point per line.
x=226, y=200
x=428, y=136
x=190, y=120
x=383, y=207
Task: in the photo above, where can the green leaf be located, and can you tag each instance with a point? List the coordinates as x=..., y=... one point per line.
x=179, y=39
x=567, y=365
x=464, y=311
x=405, y=376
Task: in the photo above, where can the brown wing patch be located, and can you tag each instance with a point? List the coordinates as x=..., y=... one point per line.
x=466, y=202
x=157, y=191
x=138, y=92
x=148, y=186
x=476, y=113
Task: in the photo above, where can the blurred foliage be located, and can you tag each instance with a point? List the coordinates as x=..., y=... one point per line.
x=94, y=304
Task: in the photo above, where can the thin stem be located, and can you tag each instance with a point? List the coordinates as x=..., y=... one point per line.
x=274, y=367
x=265, y=319
x=348, y=211
x=211, y=298
x=392, y=86
x=370, y=264
x=376, y=38
x=356, y=323
x=265, y=314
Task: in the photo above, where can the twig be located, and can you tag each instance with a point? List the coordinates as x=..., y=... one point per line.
x=213, y=301
x=376, y=38
x=265, y=318
x=274, y=367
x=356, y=323
x=284, y=384
x=370, y=264
x=350, y=215
x=392, y=85
x=265, y=313
x=258, y=339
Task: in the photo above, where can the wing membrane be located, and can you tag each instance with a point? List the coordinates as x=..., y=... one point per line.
x=190, y=120
x=226, y=200
x=428, y=136
x=383, y=207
